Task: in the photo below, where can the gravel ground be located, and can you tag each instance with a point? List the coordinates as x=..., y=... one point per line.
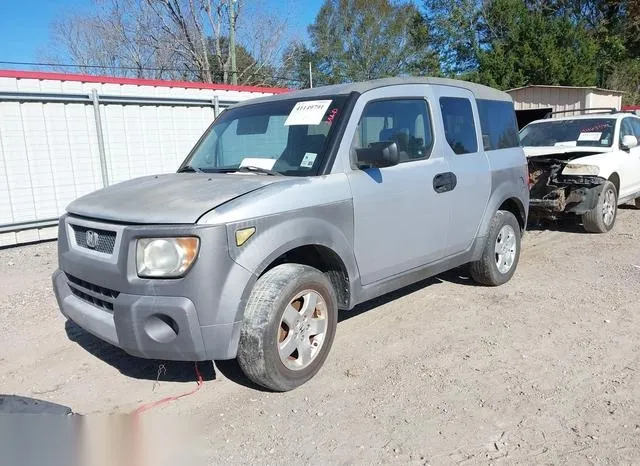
x=545, y=369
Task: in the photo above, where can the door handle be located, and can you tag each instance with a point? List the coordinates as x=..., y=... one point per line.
x=444, y=182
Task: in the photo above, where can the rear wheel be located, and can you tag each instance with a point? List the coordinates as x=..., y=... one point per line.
x=501, y=251
x=288, y=328
x=602, y=217
x=637, y=202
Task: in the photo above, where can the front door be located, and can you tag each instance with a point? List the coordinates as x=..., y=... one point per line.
x=401, y=220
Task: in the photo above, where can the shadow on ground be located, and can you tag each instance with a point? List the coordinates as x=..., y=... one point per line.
x=564, y=223
x=568, y=224
x=232, y=371
x=138, y=368
x=178, y=371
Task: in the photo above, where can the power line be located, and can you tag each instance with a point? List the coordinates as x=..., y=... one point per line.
x=128, y=68
x=69, y=65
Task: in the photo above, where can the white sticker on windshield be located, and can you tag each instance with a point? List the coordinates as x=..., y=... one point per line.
x=308, y=113
x=589, y=136
x=308, y=160
x=267, y=164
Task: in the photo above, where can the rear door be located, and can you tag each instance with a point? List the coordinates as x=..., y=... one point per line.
x=400, y=221
x=467, y=161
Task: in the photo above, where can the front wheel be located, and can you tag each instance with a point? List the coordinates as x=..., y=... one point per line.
x=288, y=328
x=501, y=252
x=602, y=217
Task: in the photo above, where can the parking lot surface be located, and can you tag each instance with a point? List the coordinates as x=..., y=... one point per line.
x=544, y=369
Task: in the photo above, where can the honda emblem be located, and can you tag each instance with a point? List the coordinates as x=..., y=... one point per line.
x=92, y=239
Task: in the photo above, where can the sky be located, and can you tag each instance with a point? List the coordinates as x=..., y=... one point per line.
x=24, y=25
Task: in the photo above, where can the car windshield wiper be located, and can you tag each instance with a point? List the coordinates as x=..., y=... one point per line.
x=189, y=168
x=254, y=169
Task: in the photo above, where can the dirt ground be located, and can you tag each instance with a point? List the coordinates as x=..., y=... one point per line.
x=545, y=369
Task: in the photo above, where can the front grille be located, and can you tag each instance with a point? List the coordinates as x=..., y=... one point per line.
x=80, y=288
x=105, y=241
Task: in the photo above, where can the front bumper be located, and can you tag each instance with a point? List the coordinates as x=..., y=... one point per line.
x=134, y=323
x=194, y=318
x=578, y=200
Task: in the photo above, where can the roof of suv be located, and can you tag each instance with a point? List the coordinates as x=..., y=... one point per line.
x=479, y=91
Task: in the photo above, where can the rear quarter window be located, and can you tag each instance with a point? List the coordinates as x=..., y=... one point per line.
x=498, y=124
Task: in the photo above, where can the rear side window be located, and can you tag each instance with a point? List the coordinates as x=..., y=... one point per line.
x=404, y=121
x=459, y=128
x=498, y=124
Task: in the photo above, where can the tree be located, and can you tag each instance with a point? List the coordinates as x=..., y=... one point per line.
x=510, y=43
x=111, y=40
x=298, y=59
x=188, y=39
x=356, y=40
x=452, y=31
x=520, y=46
x=626, y=77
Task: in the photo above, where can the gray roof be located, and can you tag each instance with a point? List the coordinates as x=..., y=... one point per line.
x=480, y=91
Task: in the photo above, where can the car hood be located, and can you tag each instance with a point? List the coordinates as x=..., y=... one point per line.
x=173, y=198
x=564, y=152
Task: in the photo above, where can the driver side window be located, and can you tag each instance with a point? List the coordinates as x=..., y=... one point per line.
x=405, y=122
x=635, y=125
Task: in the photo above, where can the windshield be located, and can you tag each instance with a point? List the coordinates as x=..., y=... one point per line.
x=591, y=132
x=288, y=137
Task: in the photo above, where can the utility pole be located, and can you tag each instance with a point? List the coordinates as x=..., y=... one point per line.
x=310, y=76
x=232, y=41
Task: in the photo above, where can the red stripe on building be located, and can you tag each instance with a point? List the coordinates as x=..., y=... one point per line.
x=86, y=78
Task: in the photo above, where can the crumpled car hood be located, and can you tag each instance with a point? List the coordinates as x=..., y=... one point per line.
x=176, y=198
x=559, y=151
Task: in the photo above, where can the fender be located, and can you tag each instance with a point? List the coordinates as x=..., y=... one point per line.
x=330, y=226
x=505, y=187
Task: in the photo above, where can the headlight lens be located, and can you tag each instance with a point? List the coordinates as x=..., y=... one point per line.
x=165, y=257
x=580, y=169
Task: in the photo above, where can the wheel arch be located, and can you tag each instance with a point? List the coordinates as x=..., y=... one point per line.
x=324, y=259
x=307, y=240
x=515, y=206
x=615, y=179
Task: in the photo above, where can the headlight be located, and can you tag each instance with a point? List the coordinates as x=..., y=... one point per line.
x=165, y=257
x=580, y=169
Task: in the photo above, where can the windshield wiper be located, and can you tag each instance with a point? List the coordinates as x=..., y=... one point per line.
x=189, y=168
x=254, y=169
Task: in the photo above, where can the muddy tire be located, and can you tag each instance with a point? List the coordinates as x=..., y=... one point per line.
x=501, y=252
x=289, y=324
x=602, y=217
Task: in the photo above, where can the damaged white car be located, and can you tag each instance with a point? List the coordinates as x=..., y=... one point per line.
x=584, y=165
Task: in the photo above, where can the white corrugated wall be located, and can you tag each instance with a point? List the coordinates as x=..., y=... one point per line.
x=604, y=99
x=559, y=99
x=49, y=150
x=564, y=98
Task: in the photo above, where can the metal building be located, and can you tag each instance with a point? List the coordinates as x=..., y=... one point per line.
x=64, y=135
x=534, y=102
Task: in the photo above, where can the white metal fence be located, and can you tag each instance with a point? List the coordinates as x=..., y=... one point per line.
x=62, y=136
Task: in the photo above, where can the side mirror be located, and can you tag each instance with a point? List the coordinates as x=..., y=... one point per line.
x=629, y=142
x=378, y=154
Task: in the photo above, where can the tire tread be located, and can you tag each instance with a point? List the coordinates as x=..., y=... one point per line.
x=484, y=271
x=592, y=221
x=259, y=314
